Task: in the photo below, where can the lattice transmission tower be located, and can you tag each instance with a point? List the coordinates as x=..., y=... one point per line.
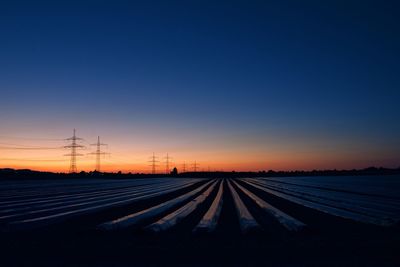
x=195, y=166
x=184, y=166
x=153, y=163
x=73, y=146
x=98, y=153
x=167, y=162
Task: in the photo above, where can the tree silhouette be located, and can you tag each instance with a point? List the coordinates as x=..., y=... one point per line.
x=174, y=172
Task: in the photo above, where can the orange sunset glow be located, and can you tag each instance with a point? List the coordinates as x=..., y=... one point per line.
x=215, y=153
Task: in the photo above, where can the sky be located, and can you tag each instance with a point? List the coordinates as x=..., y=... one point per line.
x=232, y=85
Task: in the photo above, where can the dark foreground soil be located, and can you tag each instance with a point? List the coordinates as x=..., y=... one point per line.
x=328, y=241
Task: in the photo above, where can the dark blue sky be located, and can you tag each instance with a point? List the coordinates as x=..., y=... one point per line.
x=304, y=73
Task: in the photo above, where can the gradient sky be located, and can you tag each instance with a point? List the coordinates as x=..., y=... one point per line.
x=244, y=85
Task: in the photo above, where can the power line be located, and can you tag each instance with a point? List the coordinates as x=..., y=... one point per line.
x=17, y=145
x=32, y=139
x=28, y=148
x=153, y=160
x=13, y=146
x=118, y=160
x=34, y=160
x=73, y=146
x=98, y=153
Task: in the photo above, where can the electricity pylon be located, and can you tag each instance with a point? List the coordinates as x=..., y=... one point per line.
x=184, y=167
x=153, y=160
x=73, y=146
x=195, y=166
x=98, y=153
x=167, y=162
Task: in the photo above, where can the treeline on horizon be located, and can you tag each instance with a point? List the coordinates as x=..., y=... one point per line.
x=8, y=173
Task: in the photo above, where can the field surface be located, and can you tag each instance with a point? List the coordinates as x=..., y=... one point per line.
x=288, y=221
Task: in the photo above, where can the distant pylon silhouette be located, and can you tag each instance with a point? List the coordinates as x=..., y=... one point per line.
x=184, y=167
x=153, y=160
x=98, y=153
x=195, y=166
x=167, y=162
x=73, y=146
